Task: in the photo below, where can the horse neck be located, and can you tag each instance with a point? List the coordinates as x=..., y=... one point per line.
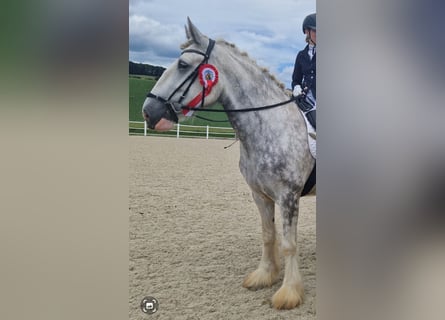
x=248, y=86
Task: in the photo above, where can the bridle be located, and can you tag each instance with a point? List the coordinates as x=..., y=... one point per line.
x=171, y=105
x=175, y=107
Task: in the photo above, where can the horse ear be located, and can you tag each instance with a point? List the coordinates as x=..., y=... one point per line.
x=187, y=33
x=193, y=33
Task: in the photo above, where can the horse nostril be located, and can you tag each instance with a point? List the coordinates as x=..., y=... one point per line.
x=145, y=115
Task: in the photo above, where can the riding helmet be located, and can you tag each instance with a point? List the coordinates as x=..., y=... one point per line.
x=310, y=22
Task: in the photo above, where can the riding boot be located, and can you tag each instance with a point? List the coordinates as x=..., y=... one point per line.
x=311, y=116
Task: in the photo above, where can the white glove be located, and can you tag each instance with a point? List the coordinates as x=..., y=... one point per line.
x=297, y=90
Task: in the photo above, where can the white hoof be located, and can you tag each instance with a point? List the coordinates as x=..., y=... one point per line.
x=261, y=278
x=288, y=297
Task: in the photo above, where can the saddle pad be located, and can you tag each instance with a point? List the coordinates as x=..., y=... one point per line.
x=311, y=137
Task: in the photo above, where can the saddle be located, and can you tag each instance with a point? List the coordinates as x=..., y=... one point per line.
x=306, y=107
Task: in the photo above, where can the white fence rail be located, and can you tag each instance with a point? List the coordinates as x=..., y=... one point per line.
x=182, y=130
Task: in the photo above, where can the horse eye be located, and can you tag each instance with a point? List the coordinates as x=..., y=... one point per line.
x=182, y=64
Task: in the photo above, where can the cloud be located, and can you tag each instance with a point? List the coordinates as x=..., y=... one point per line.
x=153, y=38
x=269, y=31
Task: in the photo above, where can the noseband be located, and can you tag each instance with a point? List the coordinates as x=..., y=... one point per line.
x=172, y=110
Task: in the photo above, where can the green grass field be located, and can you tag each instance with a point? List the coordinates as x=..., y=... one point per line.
x=139, y=86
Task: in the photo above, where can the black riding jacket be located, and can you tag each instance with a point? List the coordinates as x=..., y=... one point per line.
x=304, y=71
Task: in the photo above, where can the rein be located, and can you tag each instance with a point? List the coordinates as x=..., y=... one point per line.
x=279, y=104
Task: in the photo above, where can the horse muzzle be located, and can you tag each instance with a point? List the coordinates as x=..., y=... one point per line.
x=159, y=116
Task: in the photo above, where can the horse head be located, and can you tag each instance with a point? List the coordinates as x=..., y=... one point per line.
x=190, y=82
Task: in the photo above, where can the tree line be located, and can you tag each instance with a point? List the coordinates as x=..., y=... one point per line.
x=145, y=69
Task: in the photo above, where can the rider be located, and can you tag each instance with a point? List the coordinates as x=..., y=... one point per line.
x=303, y=77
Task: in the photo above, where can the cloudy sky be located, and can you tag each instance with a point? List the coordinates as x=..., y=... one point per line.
x=270, y=31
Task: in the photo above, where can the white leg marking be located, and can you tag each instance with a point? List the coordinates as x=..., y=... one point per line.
x=267, y=272
x=291, y=293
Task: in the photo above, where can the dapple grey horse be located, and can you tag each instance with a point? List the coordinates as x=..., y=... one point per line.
x=274, y=154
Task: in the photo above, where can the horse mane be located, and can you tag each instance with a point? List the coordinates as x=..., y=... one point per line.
x=243, y=54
